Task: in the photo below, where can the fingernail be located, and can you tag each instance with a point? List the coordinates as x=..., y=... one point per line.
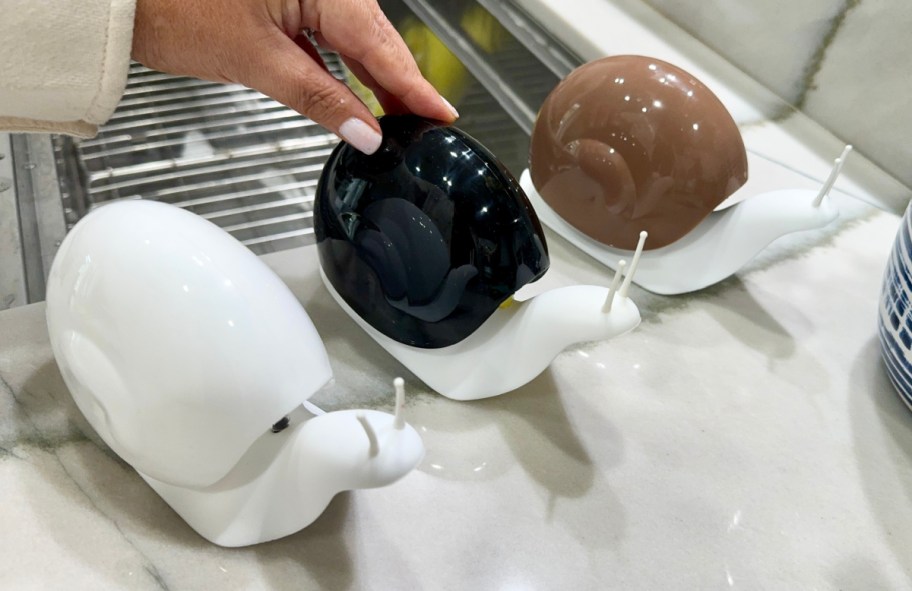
x=360, y=135
x=450, y=107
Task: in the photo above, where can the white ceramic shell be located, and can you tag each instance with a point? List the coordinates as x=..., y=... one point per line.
x=177, y=343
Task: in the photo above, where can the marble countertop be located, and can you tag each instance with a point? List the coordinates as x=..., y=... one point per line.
x=745, y=436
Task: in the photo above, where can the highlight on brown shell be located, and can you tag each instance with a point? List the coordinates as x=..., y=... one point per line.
x=632, y=143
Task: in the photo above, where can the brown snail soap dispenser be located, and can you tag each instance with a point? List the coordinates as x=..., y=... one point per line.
x=626, y=144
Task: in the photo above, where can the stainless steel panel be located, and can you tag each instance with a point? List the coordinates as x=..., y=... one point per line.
x=226, y=153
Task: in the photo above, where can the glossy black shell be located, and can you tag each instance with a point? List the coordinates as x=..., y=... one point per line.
x=428, y=236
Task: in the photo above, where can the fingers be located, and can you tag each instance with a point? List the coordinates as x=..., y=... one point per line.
x=390, y=103
x=285, y=70
x=359, y=31
x=303, y=42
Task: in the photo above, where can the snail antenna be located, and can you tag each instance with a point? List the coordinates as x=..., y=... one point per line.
x=618, y=274
x=633, y=265
x=845, y=152
x=371, y=435
x=834, y=174
x=399, y=421
x=313, y=408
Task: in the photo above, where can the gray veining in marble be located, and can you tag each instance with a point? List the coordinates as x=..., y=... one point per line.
x=863, y=85
x=12, y=279
x=744, y=436
x=842, y=62
x=815, y=63
x=774, y=41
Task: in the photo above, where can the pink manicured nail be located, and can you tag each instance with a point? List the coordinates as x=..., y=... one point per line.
x=450, y=107
x=361, y=136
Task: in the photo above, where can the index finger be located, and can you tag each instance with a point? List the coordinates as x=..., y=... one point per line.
x=360, y=31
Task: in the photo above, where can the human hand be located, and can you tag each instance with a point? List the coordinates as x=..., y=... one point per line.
x=260, y=44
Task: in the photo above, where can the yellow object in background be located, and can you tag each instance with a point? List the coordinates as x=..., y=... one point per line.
x=437, y=63
x=364, y=93
x=482, y=28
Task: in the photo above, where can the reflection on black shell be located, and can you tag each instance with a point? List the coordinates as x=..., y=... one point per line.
x=428, y=236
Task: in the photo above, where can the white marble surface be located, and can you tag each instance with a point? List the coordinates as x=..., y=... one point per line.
x=843, y=63
x=745, y=436
x=742, y=437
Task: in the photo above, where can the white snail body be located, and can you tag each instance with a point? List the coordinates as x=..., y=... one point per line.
x=182, y=349
x=715, y=249
x=515, y=344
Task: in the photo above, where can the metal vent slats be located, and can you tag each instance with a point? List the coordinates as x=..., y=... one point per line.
x=225, y=152
x=236, y=157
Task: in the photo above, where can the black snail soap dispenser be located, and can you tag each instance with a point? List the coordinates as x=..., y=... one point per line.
x=424, y=244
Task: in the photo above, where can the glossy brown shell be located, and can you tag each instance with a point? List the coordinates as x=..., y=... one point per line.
x=631, y=143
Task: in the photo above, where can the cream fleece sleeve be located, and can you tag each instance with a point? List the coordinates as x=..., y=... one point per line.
x=63, y=63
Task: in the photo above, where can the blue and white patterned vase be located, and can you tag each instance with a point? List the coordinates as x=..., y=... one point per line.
x=895, y=314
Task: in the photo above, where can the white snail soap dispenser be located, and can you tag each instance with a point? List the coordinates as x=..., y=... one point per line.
x=424, y=244
x=631, y=143
x=193, y=362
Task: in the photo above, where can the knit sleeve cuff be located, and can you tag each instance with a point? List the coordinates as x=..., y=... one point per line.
x=65, y=64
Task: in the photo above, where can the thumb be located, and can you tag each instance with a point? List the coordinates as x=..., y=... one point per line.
x=287, y=71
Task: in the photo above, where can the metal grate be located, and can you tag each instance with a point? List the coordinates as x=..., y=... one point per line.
x=244, y=161
x=225, y=152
